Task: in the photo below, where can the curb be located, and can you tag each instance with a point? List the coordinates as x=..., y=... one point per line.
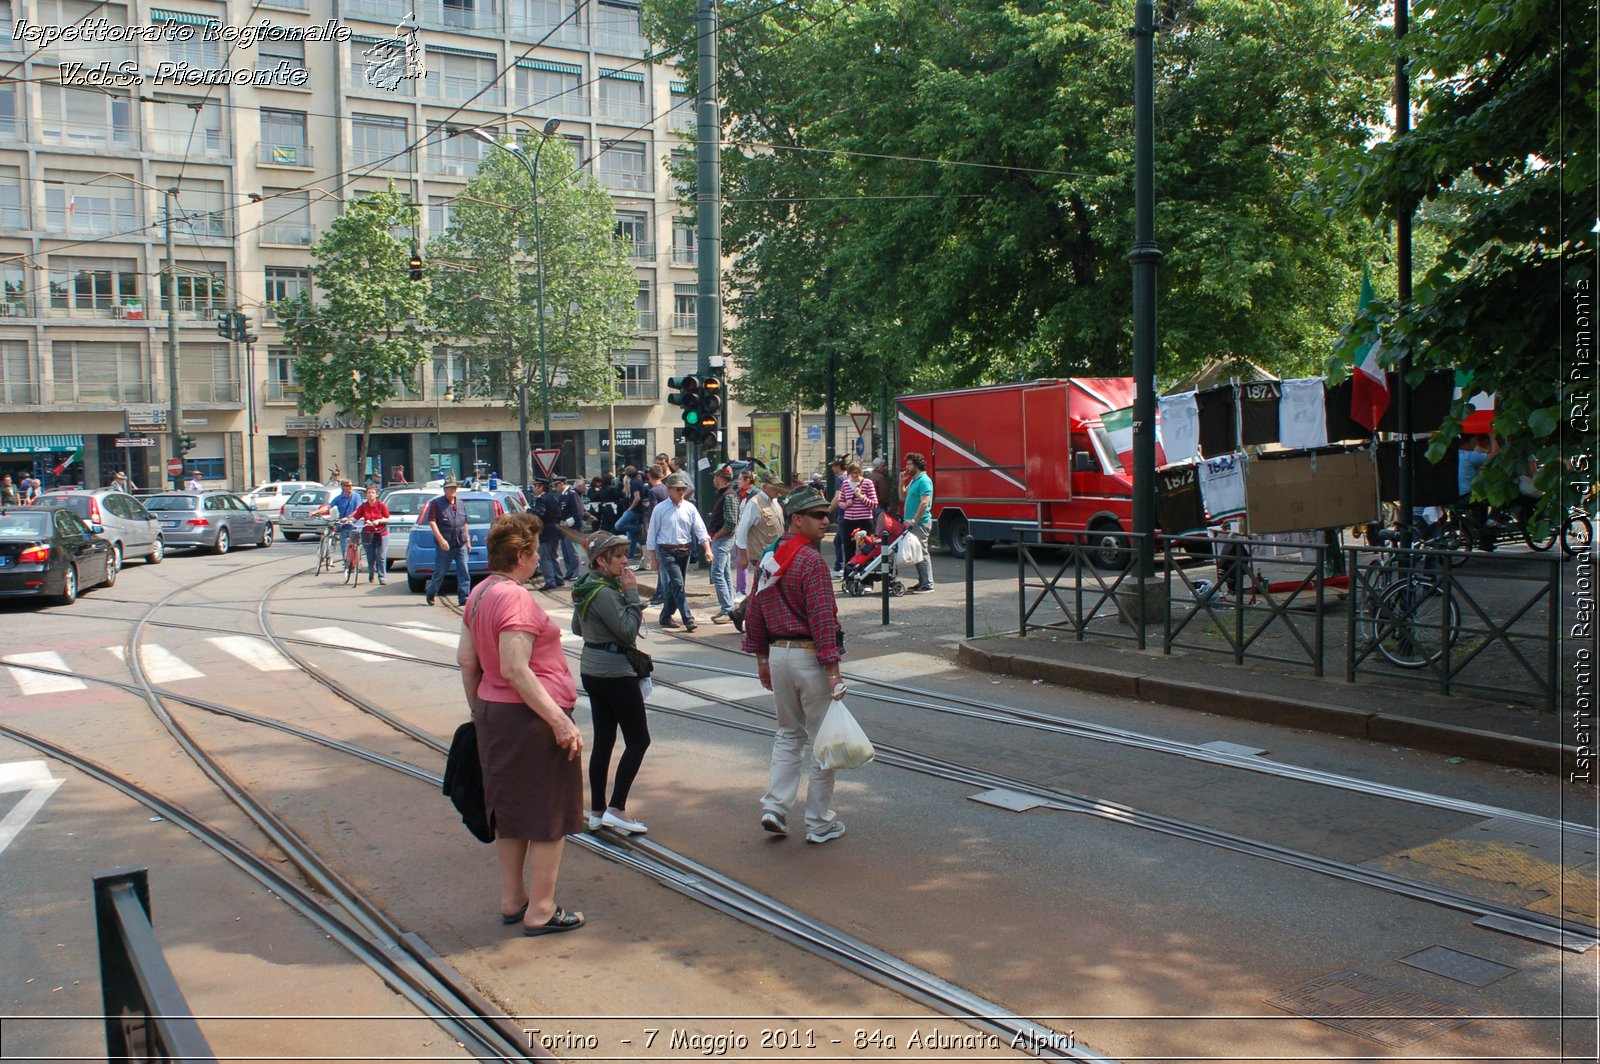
x=1512, y=751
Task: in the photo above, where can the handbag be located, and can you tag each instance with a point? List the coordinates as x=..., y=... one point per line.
x=642, y=665
x=840, y=742
x=463, y=782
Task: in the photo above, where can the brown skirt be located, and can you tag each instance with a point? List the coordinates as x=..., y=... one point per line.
x=530, y=787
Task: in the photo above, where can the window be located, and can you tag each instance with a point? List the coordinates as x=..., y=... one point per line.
x=205, y=373
x=87, y=371
x=642, y=303
x=12, y=215
x=192, y=50
x=286, y=217
x=18, y=384
x=622, y=95
x=88, y=203
x=90, y=49
x=10, y=120
x=685, y=305
x=282, y=384
x=282, y=59
x=616, y=28
x=92, y=287
x=456, y=156
x=638, y=375
x=575, y=145
x=683, y=238
x=6, y=41
x=550, y=88
x=283, y=138
x=202, y=209
x=174, y=128
x=283, y=284
x=682, y=116
x=14, y=298
x=634, y=226
x=461, y=76
x=84, y=117
x=202, y=290
x=379, y=141
x=539, y=20
x=465, y=14
x=441, y=210
x=623, y=166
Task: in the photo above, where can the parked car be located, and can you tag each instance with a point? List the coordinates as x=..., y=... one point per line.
x=404, y=504
x=270, y=497
x=49, y=551
x=215, y=520
x=482, y=508
x=299, y=515
x=118, y=518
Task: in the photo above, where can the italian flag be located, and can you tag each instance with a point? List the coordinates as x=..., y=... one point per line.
x=1480, y=409
x=1119, y=427
x=1369, y=395
x=67, y=462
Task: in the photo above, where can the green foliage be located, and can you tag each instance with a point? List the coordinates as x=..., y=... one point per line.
x=943, y=191
x=1501, y=163
x=485, y=280
x=366, y=335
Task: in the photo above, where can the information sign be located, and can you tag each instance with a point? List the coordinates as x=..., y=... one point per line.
x=135, y=441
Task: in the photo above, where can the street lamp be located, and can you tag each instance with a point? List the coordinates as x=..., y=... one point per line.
x=532, y=166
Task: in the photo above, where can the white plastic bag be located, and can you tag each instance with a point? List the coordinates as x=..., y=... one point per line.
x=911, y=551
x=840, y=742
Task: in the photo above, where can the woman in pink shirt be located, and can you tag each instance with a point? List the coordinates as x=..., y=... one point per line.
x=522, y=695
x=856, y=502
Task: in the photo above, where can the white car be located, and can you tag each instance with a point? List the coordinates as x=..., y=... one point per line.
x=404, y=504
x=270, y=497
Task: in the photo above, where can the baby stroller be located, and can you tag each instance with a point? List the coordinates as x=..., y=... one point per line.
x=874, y=558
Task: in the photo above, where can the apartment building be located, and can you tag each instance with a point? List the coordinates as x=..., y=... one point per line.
x=264, y=135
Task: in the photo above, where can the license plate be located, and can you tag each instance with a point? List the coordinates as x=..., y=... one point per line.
x=170, y=524
x=4, y=561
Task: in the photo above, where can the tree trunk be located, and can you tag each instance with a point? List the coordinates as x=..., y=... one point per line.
x=361, y=452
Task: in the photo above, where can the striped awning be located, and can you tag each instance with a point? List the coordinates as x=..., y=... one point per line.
x=439, y=49
x=681, y=88
x=39, y=444
x=187, y=18
x=621, y=75
x=549, y=67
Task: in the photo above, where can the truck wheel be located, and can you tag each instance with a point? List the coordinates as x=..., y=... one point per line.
x=1107, y=552
x=956, y=539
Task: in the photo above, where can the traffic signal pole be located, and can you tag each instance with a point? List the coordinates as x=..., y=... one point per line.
x=1144, y=257
x=174, y=397
x=708, y=222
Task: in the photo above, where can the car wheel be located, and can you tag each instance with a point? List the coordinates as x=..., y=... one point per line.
x=416, y=584
x=292, y=537
x=113, y=567
x=266, y=535
x=116, y=555
x=157, y=552
x=223, y=541
x=69, y=586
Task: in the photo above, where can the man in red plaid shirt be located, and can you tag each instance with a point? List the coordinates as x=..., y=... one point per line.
x=792, y=627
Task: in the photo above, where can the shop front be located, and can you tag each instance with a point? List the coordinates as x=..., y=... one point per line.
x=294, y=458
x=54, y=459
x=633, y=446
x=385, y=451
x=458, y=454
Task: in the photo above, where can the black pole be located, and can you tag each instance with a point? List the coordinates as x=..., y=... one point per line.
x=708, y=223
x=1144, y=257
x=828, y=429
x=1402, y=241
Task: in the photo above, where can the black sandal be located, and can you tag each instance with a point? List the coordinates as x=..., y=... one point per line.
x=561, y=921
x=516, y=917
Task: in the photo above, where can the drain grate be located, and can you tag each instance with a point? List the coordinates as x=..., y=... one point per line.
x=1385, y=1012
x=1453, y=964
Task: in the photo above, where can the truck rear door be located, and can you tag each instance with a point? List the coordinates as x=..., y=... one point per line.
x=1046, y=429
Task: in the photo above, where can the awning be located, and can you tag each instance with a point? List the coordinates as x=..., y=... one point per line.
x=187, y=18
x=549, y=67
x=39, y=444
x=621, y=75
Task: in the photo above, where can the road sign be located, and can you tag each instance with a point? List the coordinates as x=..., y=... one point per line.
x=862, y=421
x=175, y=467
x=135, y=441
x=196, y=421
x=545, y=459
x=297, y=425
x=144, y=417
x=861, y=446
x=814, y=433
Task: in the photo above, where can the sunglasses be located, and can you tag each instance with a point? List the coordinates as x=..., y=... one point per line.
x=820, y=515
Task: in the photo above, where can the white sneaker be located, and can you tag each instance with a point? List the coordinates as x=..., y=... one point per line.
x=594, y=821
x=619, y=822
x=827, y=832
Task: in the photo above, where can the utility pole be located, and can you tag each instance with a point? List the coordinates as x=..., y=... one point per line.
x=1402, y=248
x=708, y=222
x=174, y=396
x=1144, y=257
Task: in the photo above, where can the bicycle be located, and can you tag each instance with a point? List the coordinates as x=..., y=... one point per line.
x=1408, y=612
x=352, y=555
x=1576, y=533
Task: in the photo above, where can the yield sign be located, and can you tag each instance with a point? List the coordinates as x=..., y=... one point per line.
x=863, y=422
x=545, y=459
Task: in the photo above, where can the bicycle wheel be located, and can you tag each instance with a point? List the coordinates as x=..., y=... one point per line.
x=1576, y=534
x=1414, y=621
x=324, y=555
x=1537, y=542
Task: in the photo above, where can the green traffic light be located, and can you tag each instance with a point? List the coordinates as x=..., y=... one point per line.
x=691, y=417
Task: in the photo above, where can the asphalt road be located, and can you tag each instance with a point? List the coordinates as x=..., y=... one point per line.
x=1142, y=943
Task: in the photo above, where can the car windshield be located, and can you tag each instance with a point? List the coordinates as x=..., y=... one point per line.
x=78, y=504
x=407, y=503
x=171, y=502
x=480, y=511
x=15, y=526
x=309, y=498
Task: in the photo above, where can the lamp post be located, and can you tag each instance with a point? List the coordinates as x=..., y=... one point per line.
x=532, y=166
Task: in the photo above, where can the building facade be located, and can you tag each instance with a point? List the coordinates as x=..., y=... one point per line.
x=264, y=135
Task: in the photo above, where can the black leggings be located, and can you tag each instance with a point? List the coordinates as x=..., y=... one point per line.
x=615, y=701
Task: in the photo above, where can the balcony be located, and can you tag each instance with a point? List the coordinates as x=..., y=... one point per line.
x=389, y=12
x=283, y=391
x=285, y=155
x=199, y=310
x=452, y=167
x=19, y=393
x=642, y=251
x=684, y=256
x=684, y=322
x=447, y=89
x=570, y=104
x=396, y=158
x=619, y=41
x=15, y=308
x=286, y=233
x=623, y=180
x=459, y=15
x=84, y=135
x=134, y=311
x=102, y=392
x=627, y=112
x=11, y=128
x=203, y=143
x=194, y=392
x=647, y=320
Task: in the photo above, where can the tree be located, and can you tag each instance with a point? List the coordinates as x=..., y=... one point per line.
x=366, y=336
x=1502, y=162
x=484, y=281
x=943, y=193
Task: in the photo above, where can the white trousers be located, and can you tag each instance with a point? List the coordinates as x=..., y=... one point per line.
x=801, y=689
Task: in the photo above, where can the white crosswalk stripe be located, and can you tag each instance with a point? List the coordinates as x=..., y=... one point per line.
x=160, y=664
x=349, y=642
x=429, y=633
x=256, y=653
x=39, y=683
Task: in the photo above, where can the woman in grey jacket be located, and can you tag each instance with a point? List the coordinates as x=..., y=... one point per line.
x=606, y=613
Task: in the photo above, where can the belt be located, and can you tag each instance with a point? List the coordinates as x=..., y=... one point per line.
x=610, y=648
x=795, y=644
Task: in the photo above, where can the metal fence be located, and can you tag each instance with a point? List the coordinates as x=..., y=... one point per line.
x=146, y=1015
x=1115, y=591
x=1246, y=606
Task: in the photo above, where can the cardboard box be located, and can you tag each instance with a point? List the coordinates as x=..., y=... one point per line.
x=1311, y=491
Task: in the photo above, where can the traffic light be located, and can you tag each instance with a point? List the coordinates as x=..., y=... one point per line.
x=185, y=442
x=225, y=325
x=687, y=398
x=416, y=265
x=241, y=327
x=710, y=411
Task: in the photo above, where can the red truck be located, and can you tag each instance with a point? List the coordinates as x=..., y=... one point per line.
x=1030, y=455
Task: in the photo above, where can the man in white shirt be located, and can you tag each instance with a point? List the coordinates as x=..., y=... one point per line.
x=194, y=481
x=676, y=528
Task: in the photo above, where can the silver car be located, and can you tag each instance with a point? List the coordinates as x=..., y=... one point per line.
x=270, y=497
x=404, y=505
x=116, y=517
x=299, y=516
x=215, y=520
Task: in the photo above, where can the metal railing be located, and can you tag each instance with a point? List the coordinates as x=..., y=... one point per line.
x=209, y=391
x=147, y=1017
x=1118, y=591
x=1243, y=604
x=284, y=154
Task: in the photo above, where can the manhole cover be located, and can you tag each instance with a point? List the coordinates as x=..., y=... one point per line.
x=1386, y=1012
x=1462, y=967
